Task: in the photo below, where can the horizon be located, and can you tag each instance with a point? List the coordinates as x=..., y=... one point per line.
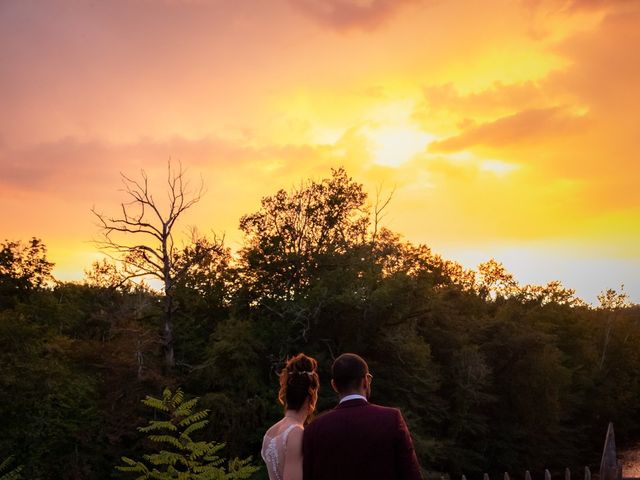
x=506, y=130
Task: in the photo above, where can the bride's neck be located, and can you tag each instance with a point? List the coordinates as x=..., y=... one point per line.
x=298, y=416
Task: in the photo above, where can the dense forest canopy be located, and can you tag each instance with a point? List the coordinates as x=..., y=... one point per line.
x=490, y=375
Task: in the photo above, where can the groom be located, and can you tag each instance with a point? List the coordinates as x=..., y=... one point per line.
x=357, y=440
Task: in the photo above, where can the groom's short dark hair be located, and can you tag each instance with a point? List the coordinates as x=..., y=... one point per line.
x=347, y=372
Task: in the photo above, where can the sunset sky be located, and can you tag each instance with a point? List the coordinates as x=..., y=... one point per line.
x=509, y=129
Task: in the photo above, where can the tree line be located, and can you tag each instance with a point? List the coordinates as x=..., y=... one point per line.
x=491, y=375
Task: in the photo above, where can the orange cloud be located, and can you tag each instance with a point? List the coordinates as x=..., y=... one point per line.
x=497, y=100
x=530, y=108
x=523, y=128
x=576, y=124
x=348, y=14
x=577, y=5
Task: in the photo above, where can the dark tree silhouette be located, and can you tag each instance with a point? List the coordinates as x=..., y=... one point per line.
x=23, y=268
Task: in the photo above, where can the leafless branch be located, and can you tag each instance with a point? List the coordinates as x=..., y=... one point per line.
x=141, y=217
x=379, y=210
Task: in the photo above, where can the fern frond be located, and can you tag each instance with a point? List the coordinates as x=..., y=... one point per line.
x=177, y=399
x=179, y=456
x=165, y=457
x=241, y=469
x=155, y=425
x=194, y=427
x=156, y=403
x=168, y=439
x=9, y=475
x=194, y=417
x=134, y=467
x=166, y=395
x=185, y=408
x=5, y=464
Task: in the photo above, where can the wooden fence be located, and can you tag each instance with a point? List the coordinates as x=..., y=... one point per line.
x=610, y=466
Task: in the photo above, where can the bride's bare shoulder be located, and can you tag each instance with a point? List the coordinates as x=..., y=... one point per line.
x=275, y=429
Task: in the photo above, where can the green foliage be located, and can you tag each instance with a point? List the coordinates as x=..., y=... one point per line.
x=490, y=375
x=9, y=474
x=24, y=268
x=47, y=400
x=180, y=456
x=202, y=296
x=298, y=234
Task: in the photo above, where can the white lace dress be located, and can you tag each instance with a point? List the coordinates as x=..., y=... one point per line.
x=274, y=447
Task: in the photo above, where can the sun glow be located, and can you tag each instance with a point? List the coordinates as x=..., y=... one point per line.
x=497, y=167
x=494, y=125
x=393, y=146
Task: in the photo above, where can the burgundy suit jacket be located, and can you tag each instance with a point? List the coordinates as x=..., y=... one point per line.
x=359, y=441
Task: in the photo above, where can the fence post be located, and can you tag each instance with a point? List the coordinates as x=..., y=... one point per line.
x=547, y=475
x=587, y=473
x=610, y=468
x=527, y=475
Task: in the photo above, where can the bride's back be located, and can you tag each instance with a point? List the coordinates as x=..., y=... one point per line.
x=274, y=447
x=298, y=394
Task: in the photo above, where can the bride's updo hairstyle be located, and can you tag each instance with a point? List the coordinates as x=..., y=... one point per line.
x=298, y=381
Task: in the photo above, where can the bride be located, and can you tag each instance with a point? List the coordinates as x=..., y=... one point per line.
x=282, y=444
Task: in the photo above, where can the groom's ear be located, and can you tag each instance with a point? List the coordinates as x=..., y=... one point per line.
x=333, y=385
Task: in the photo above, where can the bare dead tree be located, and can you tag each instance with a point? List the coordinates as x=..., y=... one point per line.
x=379, y=212
x=142, y=238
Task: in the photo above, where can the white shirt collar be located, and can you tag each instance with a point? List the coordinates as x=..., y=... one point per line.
x=353, y=396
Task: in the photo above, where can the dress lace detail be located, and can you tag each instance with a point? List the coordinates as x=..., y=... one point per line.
x=273, y=452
